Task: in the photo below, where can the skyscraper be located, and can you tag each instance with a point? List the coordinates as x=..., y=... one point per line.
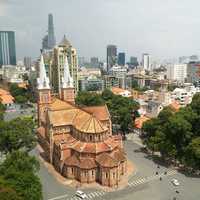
x=146, y=61
x=49, y=40
x=56, y=73
x=121, y=59
x=133, y=61
x=111, y=56
x=94, y=61
x=27, y=62
x=51, y=36
x=7, y=48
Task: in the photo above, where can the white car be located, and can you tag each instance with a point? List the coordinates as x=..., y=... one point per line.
x=81, y=194
x=175, y=182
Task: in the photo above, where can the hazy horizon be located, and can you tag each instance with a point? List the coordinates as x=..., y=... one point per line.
x=165, y=29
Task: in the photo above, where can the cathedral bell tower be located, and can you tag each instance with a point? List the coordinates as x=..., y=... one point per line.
x=44, y=90
x=67, y=90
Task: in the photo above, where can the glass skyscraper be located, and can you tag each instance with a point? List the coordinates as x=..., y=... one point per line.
x=111, y=56
x=121, y=59
x=7, y=48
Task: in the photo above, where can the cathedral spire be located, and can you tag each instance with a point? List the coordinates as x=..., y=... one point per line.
x=67, y=80
x=43, y=80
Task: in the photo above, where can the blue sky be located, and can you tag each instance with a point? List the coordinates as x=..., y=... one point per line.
x=165, y=29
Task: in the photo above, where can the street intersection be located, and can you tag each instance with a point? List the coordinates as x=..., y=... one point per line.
x=145, y=184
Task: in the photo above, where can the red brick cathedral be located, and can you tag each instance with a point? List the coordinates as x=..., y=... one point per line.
x=78, y=142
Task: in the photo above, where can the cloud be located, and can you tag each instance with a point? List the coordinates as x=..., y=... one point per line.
x=163, y=28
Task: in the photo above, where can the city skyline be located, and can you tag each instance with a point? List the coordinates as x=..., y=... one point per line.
x=135, y=29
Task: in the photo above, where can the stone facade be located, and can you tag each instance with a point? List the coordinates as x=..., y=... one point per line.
x=79, y=142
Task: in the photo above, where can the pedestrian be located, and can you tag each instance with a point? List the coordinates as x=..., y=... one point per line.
x=160, y=178
x=165, y=172
x=158, y=167
x=156, y=173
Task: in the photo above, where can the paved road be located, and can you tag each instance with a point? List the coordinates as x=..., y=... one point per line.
x=142, y=186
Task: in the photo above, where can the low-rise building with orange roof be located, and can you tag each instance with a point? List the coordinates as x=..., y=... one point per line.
x=175, y=106
x=120, y=91
x=138, y=123
x=6, y=98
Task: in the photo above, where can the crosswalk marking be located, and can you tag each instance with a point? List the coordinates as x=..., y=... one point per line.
x=133, y=183
x=150, y=178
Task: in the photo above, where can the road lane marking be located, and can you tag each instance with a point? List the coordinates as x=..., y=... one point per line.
x=59, y=197
x=150, y=178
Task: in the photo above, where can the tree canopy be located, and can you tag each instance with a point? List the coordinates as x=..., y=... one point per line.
x=176, y=134
x=2, y=110
x=17, y=175
x=17, y=134
x=21, y=95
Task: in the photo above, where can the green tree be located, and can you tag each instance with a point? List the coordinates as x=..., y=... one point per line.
x=21, y=162
x=125, y=120
x=17, y=134
x=20, y=99
x=89, y=99
x=150, y=127
x=8, y=193
x=192, y=154
x=195, y=105
x=178, y=132
x=19, y=172
x=2, y=110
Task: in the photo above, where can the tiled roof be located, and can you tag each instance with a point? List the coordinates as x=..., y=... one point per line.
x=58, y=104
x=140, y=120
x=100, y=112
x=62, y=113
x=119, y=155
x=83, y=163
x=68, y=142
x=87, y=163
x=105, y=160
x=117, y=90
x=62, y=117
x=175, y=106
x=6, y=97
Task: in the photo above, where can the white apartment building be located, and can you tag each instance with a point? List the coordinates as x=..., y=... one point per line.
x=177, y=72
x=184, y=95
x=13, y=73
x=146, y=61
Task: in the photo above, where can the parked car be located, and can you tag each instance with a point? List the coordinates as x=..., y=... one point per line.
x=81, y=194
x=175, y=182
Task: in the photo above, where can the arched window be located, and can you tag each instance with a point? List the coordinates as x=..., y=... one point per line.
x=90, y=138
x=106, y=175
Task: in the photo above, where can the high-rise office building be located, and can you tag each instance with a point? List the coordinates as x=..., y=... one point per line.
x=121, y=59
x=49, y=40
x=111, y=56
x=177, y=72
x=56, y=72
x=146, y=61
x=133, y=61
x=94, y=61
x=51, y=36
x=7, y=48
x=27, y=62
